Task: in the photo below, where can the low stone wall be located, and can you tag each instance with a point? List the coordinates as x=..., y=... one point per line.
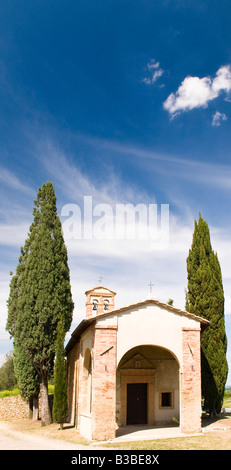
x=16, y=407
x=13, y=407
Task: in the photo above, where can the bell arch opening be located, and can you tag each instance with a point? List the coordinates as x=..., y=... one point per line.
x=147, y=390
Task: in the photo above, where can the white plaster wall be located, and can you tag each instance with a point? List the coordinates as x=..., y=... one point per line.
x=166, y=379
x=86, y=341
x=85, y=426
x=153, y=325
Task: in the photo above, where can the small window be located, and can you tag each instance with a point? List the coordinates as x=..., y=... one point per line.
x=166, y=400
x=105, y=305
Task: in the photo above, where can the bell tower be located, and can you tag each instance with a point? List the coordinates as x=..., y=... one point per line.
x=99, y=300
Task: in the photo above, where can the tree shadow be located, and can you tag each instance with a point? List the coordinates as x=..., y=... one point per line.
x=68, y=426
x=221, y=417
x=209, y=387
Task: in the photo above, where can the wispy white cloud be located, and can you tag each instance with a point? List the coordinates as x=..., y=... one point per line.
x=105, y=187
x=195, y=92
x=127, y=266
x=9, y=179
x=14, y=234
x=5, y=342
x=218, y=118
x=154, y=72
x=215, y=175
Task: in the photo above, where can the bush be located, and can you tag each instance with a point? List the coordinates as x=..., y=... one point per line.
x=9, y=393
x=8, y=380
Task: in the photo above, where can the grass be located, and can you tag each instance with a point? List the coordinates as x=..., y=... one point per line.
x=15, y=392
x=204, y=442
x=216, y=436
x=9, y=393
x=227, y=399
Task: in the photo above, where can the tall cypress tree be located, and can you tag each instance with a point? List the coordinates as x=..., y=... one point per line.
x=44, y=293
x=205, y=297
x=28, y=379
x=27, y=376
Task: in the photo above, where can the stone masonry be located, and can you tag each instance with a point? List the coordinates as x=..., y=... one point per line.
x=104, y=383
x=190, y=419
x=13, y=407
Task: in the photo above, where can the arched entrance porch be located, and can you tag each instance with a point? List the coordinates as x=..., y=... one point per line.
x=147, y=387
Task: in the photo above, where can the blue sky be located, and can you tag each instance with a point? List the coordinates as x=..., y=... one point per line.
x=127, y=101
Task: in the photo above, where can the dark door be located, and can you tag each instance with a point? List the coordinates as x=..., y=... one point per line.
x=136, y=403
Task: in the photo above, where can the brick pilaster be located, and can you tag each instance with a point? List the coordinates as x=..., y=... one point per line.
x=190, y=406
x=104, y=382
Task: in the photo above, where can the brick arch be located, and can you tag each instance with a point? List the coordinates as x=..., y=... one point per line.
x=159, y=369
x=156, y=345
x=176, y=353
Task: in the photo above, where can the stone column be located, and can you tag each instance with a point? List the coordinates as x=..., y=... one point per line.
x=190, y=396
x=104, y=382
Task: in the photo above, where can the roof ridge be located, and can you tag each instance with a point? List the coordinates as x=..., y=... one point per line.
x=157, y=302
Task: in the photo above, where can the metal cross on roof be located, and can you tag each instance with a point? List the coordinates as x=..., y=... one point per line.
x=100, y=279
x=151, y=286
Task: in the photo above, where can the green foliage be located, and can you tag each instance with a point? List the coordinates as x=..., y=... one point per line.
x=227, y=399
x=205, y=297
x=28, y=378
x=9, y=393
x=40, y=295
x=8, y=378
x=60, y=407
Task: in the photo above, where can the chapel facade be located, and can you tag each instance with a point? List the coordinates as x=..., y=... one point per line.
x=139, y=364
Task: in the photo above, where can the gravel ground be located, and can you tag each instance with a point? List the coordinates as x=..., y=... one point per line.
x=15, y=440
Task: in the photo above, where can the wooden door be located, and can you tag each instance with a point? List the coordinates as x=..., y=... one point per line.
x=137, y=403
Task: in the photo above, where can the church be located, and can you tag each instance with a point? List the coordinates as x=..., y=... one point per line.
x=139, y=364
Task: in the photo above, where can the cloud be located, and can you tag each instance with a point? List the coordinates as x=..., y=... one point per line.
x=9, y=179
x=222, y=80
x=214, y=175
x=127, y=266
x=195, y=92
x=155, y=72
x=217, y=118
x=75, y=183
x=14, y=235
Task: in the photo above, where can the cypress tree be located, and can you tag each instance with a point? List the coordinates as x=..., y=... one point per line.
x=60, y=408
x=28, y=379
x=44, y=294
x=27, y=376
x=205, y=297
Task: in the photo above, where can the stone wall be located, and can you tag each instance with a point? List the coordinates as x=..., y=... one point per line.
x=16, y=407
x=190, y=419
x=104, y=383
x=13, y=407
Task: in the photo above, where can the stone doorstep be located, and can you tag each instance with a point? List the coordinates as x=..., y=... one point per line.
x=144, y=433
